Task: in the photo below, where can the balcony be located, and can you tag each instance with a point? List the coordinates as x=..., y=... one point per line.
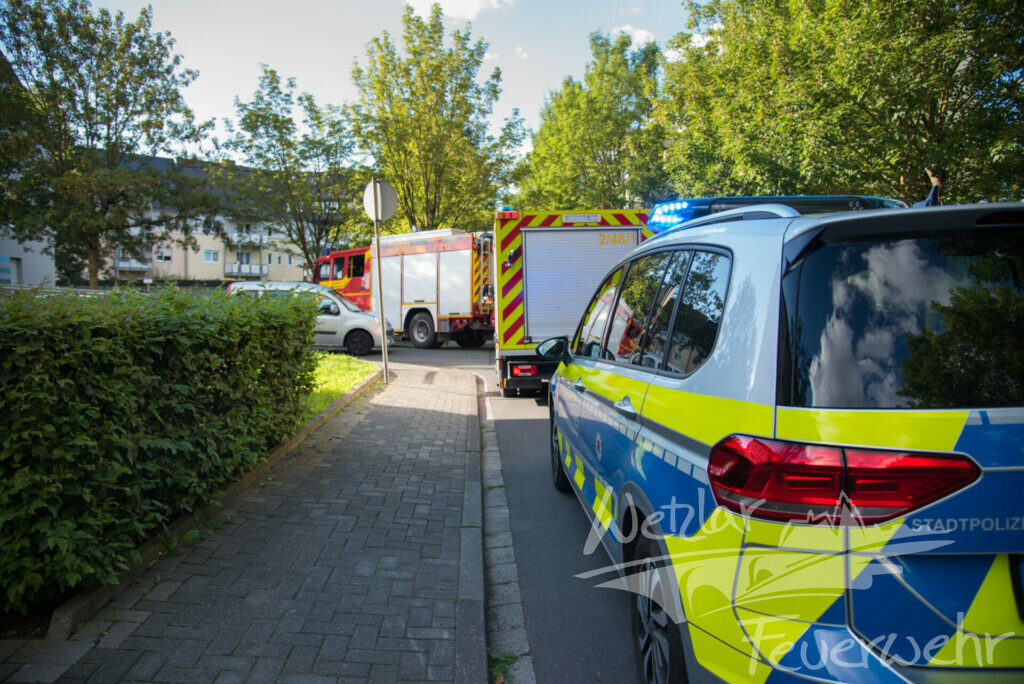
x=128, y=265
x=257, y=239
x=246, y=269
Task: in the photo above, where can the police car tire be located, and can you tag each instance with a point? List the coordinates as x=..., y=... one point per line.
x=358, y=343
x=663, y=660
x=559, y=478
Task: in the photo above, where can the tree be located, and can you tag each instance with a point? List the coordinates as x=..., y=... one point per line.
x=423, y=117
x=849, y=96
x=103, y=92
x=303, y=184
x=598, y=144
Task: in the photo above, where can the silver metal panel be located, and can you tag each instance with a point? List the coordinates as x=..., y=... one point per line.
x=455, y=285
x=391, y=279
x=561, y=269
x=419, y=278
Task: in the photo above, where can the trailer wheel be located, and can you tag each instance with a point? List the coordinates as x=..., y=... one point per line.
x=422, y=332
x=469, y=339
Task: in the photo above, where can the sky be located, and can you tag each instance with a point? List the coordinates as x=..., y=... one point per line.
x=536, y=43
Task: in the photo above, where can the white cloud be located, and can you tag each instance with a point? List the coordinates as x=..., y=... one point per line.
x=630, y=10
x=640, y=36
x=459, y=9
x=520, y=52
x=491, y=57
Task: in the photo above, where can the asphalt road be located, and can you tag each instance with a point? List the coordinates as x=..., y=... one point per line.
x=576, y=631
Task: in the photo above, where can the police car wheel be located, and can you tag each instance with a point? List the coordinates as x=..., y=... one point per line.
x=659, y=649
x=558, y=476
x=358, y=343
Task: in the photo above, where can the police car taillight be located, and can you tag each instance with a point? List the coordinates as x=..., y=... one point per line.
x=528, y=371
x=791, y=482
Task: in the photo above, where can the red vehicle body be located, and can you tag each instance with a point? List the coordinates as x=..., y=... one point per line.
x=437, y=284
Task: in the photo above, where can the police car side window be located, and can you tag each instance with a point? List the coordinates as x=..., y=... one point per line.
x=628, y=331
x=699, y=313
x=658, y=328
x=588, y=341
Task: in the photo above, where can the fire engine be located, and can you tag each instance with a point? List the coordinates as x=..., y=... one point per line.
x=547, y=266
x=436, y=284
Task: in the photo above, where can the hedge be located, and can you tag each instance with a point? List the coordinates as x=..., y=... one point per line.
x=122, y=411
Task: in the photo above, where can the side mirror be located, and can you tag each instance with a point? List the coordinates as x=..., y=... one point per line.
x=329, y=309
x=554, y=349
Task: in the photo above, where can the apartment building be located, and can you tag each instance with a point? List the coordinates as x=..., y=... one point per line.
x=248, y=254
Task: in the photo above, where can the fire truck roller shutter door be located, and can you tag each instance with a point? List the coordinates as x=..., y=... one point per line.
x=563, y=267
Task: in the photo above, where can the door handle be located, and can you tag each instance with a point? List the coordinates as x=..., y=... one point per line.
x=579, y=386
x=625, y=408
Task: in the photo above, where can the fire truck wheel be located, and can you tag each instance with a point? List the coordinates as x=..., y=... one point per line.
x=358, y=343
x=422, y=332
x=469, y=339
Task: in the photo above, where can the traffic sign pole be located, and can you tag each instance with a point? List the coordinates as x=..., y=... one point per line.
x=380, y=281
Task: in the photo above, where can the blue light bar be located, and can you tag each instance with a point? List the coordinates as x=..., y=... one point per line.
x=669, y=214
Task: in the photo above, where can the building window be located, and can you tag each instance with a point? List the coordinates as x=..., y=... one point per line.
x=244, y=258
x=162, y=254
x=278, y=259
x=211, y=256
x=289, y=259
x=270, y=259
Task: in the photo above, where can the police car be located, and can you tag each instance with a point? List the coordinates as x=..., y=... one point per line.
x=799, y=434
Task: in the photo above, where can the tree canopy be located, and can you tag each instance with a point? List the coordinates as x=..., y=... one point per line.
x=300, y=178
x=102, y=91
x=424, y=119
x=599, y=145
x=858, y=96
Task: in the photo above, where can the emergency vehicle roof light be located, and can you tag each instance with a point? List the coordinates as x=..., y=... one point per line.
x=669, y=214
x=506, y=212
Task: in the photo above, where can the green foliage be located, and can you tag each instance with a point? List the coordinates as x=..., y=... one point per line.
x=599, y=145
x=96, y=92
x=423, y=116
x=120, y=412
x=859, y=96
x=301, y=180
x=336, y=374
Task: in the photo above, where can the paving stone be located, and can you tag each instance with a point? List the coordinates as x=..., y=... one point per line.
x=39, y=672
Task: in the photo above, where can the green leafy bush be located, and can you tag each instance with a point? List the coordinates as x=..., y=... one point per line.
x=120, y=412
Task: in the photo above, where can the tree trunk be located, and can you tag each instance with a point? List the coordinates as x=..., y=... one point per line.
x=93, y=253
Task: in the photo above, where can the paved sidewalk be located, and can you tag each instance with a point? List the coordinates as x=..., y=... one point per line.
x=358, y=557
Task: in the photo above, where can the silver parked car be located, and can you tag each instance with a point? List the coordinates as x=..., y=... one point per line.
x=340, y=325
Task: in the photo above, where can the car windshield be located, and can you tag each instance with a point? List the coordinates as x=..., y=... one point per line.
x=934, y=321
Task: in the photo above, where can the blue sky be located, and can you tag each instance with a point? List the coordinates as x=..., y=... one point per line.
x=536, y=43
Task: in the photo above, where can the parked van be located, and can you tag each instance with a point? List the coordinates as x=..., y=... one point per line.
x=340, y=325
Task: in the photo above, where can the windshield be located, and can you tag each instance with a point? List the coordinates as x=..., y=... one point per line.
x=935, y=321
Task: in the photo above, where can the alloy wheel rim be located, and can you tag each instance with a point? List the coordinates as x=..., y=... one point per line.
x=652, y=626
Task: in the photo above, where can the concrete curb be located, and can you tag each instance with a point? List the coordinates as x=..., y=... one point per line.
x=84, y=605
x=470, y=627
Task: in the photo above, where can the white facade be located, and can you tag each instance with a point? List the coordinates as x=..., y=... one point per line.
x=25, y=263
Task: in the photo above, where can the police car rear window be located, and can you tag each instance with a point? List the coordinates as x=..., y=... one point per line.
x=934, y=321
